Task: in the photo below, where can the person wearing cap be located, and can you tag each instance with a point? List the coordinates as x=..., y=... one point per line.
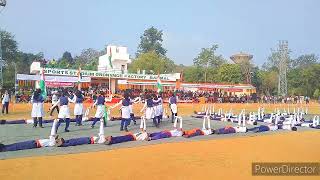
x=37, y=108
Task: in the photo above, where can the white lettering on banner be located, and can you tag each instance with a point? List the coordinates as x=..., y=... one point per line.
x=74, y=72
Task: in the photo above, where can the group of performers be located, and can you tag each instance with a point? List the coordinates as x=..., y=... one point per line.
x=152, y=110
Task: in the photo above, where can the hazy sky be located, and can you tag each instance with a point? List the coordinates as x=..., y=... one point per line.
x=252, y=26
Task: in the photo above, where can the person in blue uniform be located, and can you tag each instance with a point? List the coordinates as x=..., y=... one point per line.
x=158, y=108
x=132, y=118
x=78, y=107
x=100, y=103
x=64, y=113
x=37, y=108
x=173, y=106
x=149, y=111
x=125, y=110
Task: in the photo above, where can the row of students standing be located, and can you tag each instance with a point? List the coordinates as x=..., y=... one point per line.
x=153, y=109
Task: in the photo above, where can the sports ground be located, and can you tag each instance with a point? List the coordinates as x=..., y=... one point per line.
x=203, y=157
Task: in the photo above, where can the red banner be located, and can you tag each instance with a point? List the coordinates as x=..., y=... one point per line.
x=234, y=90
x=59, y=84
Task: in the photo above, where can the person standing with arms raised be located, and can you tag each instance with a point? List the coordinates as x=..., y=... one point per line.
x=37, y=108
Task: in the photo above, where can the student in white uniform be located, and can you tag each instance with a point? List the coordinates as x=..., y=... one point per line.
x=148, y=110
x=173, y=100
x=64, y=113
x=125, y=111
x=78, y=107
x=37, y=108
x=157, y=101
x=131, y=111
x=100, y=103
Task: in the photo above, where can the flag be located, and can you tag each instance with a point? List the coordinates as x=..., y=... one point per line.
x=110, y=57
x=79, y=78
x=159, y=84
x=105, y=116
x=178, y=82
x=42, y=85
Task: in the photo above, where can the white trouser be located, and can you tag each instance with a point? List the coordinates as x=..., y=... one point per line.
x=176, y=120
x=143, y=125
x=102, y=138
x=54, y=127
x=204, y=122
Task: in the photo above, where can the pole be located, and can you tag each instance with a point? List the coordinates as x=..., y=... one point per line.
x=109, y=84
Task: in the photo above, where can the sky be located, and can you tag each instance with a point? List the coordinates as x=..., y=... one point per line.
x=251, y=26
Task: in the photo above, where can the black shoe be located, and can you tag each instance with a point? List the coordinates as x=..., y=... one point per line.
x=2, y=146
x=126, y=130
x=92, y=126
x=121, y=129
x=66, y=130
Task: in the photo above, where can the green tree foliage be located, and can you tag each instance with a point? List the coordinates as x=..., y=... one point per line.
x=152, y=62
x=67, y=57
x=230, y=73
x=9, y=47
x=151, y=40
x=193, y=74
x=269, y=82
x=305, y=61
x=208, y=61
x=316, y=94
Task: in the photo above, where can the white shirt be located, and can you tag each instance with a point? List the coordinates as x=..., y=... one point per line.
x=176, y=133
x=206, y=132
x=141, y=136
x=54, y=99
x=240, y=129
x=273, y=127
x=5, y=98
x=47, y=142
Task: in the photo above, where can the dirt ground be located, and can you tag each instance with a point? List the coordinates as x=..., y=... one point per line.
x=227, y=158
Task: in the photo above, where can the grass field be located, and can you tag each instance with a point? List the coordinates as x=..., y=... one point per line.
x=223, y=158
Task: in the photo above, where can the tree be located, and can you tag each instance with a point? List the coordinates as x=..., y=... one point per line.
x=230, y=73
x=67, y=57
x=193, y=74
x=316, y=94
x=153, y=62
x=151, y=41
x=207, y=59
x=9, y=47
x=269, y=82
x=305, y=60
x=87, y=55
